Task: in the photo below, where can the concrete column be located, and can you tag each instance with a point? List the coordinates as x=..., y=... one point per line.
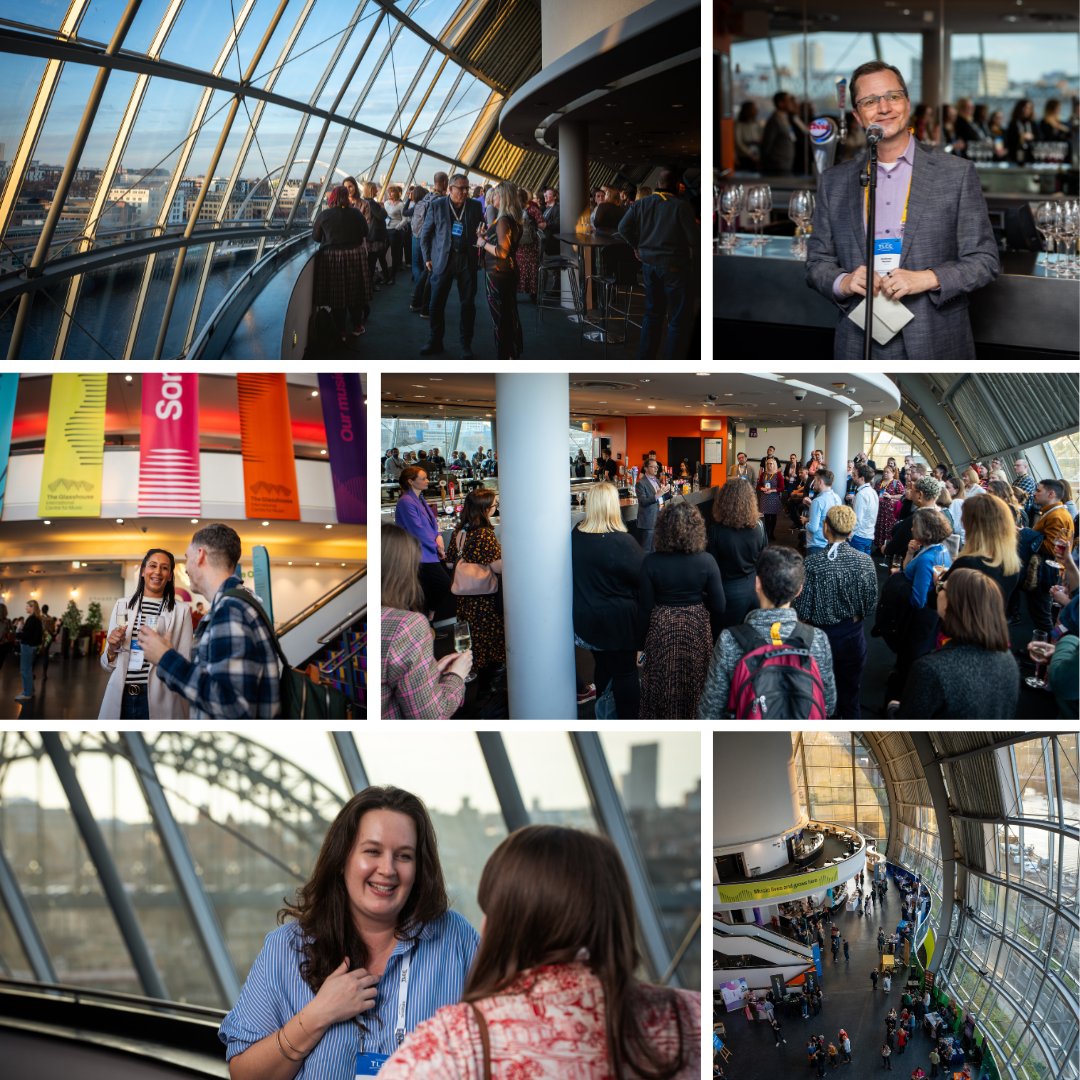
x=932, y=69
x=809, y=434
x=573, y=185
x=836, y=447
x=534, y=411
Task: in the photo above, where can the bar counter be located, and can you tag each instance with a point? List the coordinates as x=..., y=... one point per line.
x=1023, y=309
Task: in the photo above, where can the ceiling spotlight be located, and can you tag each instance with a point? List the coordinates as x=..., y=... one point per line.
x=119, y=521
x=128, y=378
x=194, y=521
x=314, y=393
x=290, y=562
x=323, y=453
x=46, y=522
x=329, y=526
x=265, y=523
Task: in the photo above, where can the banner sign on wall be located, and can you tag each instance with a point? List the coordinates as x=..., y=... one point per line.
x=346, y=441
x=266, y=445
x=773, y=889
x=74, y=447
x=9, y=385
x=169, y=447
x=260, y=565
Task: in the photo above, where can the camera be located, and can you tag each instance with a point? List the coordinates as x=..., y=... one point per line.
x=799, y=395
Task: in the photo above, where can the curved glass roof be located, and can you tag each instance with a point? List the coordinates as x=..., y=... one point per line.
x=192, y=134
x=1005, y=930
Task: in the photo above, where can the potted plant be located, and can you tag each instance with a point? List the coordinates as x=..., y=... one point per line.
x=70, y=622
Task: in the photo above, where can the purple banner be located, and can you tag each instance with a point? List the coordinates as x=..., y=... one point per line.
x=346, y=434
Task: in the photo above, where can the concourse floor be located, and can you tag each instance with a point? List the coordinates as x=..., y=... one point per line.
x=396, y=333
x=849, y=1003
x=73, y=690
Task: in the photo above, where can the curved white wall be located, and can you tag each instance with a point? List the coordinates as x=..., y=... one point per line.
x=754, y=792
x=566, y=24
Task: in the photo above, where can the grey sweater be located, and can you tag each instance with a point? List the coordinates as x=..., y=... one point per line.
x=714, y=697
x=961, y=682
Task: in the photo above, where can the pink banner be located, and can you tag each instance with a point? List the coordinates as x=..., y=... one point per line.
x=169, y=447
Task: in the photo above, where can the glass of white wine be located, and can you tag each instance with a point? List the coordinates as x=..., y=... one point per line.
x=463, y=642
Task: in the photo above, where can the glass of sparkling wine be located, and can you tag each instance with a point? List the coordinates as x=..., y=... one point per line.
x=1039, y=650
x=463, y=642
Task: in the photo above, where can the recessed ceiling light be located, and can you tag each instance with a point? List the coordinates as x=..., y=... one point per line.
x=419, y=385
x=652, y=406
x=46, y=522
x=329, y=526
x=436, y=378
x=314, y=393
x=290, y=562
x=703, y=373
x=128, y=378
x=265, y=523
x=318, y=564
x=323, y=452
x=194, y=521
x=119, y=521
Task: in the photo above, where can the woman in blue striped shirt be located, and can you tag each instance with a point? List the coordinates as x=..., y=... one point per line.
x=371, y=950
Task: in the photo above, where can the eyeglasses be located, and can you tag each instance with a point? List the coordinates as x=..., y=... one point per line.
x=892, y=97
x=458, y=187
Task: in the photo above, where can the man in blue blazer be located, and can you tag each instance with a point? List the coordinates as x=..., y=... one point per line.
x=448, y=242
x=933, y=241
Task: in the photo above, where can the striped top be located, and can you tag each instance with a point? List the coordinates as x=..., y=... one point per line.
x=275, y=991
x=145, y=607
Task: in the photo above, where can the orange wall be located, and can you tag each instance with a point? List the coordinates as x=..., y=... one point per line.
x=645, y=433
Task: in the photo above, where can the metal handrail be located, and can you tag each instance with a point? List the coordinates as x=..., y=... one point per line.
x=321, y=602
x=343, y=625
x=133, y=1001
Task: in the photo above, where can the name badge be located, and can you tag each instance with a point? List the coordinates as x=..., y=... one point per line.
x=137, y=658
x=886, y=255
x=369, y=1064
x=457, y=228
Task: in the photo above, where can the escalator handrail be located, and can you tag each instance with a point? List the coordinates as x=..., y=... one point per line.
x=88, y=995
x=322, y=601
x=759, y=933
x=344, y=625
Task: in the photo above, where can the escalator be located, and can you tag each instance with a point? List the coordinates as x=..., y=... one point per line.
x=331, y=633
x=754, y=953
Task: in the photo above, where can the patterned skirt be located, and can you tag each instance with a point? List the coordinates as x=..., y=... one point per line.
x=527, y=265
x=343, y=278
x=678, y=647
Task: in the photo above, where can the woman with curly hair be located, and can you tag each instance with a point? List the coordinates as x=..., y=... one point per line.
x=736, y=538
x=680, y=588
x=369, y=951
x=890, y=493
x=553, y=992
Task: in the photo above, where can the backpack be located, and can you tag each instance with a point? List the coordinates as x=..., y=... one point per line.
x=301, y=698
x=776, y=681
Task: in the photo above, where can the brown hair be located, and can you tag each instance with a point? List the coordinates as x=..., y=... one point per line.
x=476, y=507
x=870, y=68
x=680, y=529
x=221, y=543
x=930, y=525
x=548, y=893
x=975, y=611
x=321, y=907
x=735, y=505
x=408, y=474
x=401, y=588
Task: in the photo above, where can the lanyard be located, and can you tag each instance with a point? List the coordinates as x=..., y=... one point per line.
x=907, y=198
x=403, y=997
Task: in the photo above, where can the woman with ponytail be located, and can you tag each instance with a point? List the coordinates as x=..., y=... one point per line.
x=134, y=691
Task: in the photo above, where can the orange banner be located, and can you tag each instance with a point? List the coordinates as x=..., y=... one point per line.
x=267, y=448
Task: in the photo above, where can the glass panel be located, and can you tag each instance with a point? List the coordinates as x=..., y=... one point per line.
x=145, y=25
x=1069, y=768
x=199, y=35
x=381, y=104
x=14, y=963
x=39, y=338
x=103, y=315
x=458, y=119
x=430, y=15
x=54, y=871
x=537, y=760
x=1066, y=450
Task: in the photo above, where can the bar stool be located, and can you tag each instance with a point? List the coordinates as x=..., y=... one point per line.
x=604, y=285
x=556, y=265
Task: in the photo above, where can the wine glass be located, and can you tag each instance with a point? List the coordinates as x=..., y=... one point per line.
x=1045, y=222
x=731, y=206
x=463, y=642
x=1068, y=230
x=1039, y=649
x=759, y=205
x=800, y=210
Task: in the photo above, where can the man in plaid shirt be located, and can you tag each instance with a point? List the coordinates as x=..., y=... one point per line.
x=234, y=673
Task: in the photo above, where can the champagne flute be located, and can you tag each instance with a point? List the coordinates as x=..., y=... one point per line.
x=1039, y=650
x=1044, y=222
x=731, y=206
x=1069, y=227
x=800, y=210
x=463, y=642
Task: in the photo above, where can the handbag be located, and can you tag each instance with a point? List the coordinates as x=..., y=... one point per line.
x=471, y=579
x=485, y=1040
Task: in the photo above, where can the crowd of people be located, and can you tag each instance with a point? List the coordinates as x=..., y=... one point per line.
x=781, y=145
x=448, y=231
x=705, y=614
x=371, y=971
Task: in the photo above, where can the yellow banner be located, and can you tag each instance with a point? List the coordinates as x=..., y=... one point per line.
x=746, y=892
x=74, y=447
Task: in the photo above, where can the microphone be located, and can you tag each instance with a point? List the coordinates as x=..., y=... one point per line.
x=875, y=133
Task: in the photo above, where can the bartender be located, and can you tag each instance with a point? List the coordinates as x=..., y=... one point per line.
x=607, y=469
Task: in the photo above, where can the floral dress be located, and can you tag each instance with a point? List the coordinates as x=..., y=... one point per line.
x=482, y=613
x=526, y=255
x=888, y=511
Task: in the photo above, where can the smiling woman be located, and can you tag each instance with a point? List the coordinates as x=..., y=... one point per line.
x=371, y=950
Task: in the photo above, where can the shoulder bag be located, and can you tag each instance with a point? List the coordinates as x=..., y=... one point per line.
x=471, y=579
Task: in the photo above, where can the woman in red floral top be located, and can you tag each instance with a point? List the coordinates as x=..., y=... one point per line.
x=551, y=994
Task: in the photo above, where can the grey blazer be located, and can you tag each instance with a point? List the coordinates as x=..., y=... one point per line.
x=648, y=504
x=948, y=231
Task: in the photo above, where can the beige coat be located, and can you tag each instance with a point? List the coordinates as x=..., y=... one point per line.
x=164, y=704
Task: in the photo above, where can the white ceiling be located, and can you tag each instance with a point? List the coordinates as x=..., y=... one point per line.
x=765, y=398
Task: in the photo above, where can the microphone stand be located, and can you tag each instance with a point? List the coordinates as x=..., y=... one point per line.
x=869, y=181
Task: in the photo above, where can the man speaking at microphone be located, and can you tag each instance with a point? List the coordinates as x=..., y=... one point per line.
x=933, y=240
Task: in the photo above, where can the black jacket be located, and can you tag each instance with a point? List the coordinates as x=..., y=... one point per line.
x=607, y=573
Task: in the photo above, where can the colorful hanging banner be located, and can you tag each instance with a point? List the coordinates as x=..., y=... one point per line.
x=9, y=385
x=346, y=441
x=74, y=447
x=169, y=447
x=267, y=448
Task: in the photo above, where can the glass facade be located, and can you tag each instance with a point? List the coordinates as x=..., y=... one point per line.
x=384, y=92
x=253, y=814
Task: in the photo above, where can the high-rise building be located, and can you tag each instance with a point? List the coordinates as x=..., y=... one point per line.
x=639, y=784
